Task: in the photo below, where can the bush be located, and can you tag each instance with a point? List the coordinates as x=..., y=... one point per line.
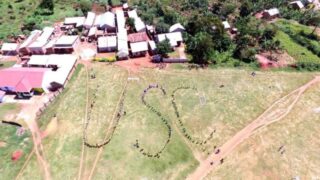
x=106, y=59
x=308, y=66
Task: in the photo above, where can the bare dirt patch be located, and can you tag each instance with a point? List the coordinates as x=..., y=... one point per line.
x=274, y=60
x=134, y=65
x=3, y=144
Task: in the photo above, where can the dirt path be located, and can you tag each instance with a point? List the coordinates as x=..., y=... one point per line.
x=107, y=132
x=38, y=148
x=83, y=123
x=81, y=172
x=275, y=112
x=25, y=164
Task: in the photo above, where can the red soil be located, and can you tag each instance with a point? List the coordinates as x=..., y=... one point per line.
x=134, y=65
x=16, y=155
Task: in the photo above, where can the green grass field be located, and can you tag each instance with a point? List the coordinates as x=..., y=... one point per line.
x=298, y=52
x=10, y=142
x=294, y=49
x=14, y=13
x=6, y=64
x=241, y=96
x=259, y=157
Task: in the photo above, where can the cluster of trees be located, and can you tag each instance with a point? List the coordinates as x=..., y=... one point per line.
x=207, y=40
x=47, y=8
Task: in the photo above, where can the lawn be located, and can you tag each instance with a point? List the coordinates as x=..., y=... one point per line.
x=224, y=93
x=6, y=64
x=294, y=26
x=10, y=142
x=12, y=14
x=298, y=52
x=297, y=134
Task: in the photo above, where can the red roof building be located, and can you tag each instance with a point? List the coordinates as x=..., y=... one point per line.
x=138, y=37
x=21, y=80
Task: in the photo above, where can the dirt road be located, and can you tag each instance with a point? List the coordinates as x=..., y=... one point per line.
x=275, y=112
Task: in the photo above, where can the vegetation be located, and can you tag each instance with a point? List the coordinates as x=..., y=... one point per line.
x=206, y=32
x=163, y=48
x=120, y=158
x=11, y=142
x=260, y=153
x=6, y=64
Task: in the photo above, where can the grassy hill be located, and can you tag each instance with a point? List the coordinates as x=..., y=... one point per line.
x=13, y=14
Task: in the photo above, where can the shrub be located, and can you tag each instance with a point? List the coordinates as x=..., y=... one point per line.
x=105, y=59
x=308, y=66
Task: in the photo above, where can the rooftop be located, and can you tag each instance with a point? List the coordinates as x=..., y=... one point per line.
x=108, y=41
x=138, y=37
x=273, y=11
x=9, y=47
x=78, y=21
x=22, y=79
x=139, y=47
x=176, y=27
x=66, y=41
x=90, y=19
x=173, y=38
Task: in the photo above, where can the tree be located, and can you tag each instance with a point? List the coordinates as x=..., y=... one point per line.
x=162, y=27
x=246, y=9
x=196, y=4
x=315, y=21
x=164, y=47
x=201, y=47
x=201, y=23
x=47, y=4
x=170, y=17
x=227, y=8
x=130, y=22
x=85, y=6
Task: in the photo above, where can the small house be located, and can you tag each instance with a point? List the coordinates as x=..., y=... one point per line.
x=107, y=44
x=133, y=14
x=88, y=23
x=66, y=44
x=139, y=25
x=107, y=22
x=152, y=47
x=122, y=45
x=74, y=21
x=297, y=5
x=226, y=25
x=23, y=49
x=271, y=13
x=139, y=49
x=49, y=47
x=92, y=33
x=23, y=81
x=125, y=6
x=38, y=46
x=174, y=38
x=9, y=49
x=150, y=29
x=177, y=28
x=138, y=37
x=121, y=21
x=97, y=20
